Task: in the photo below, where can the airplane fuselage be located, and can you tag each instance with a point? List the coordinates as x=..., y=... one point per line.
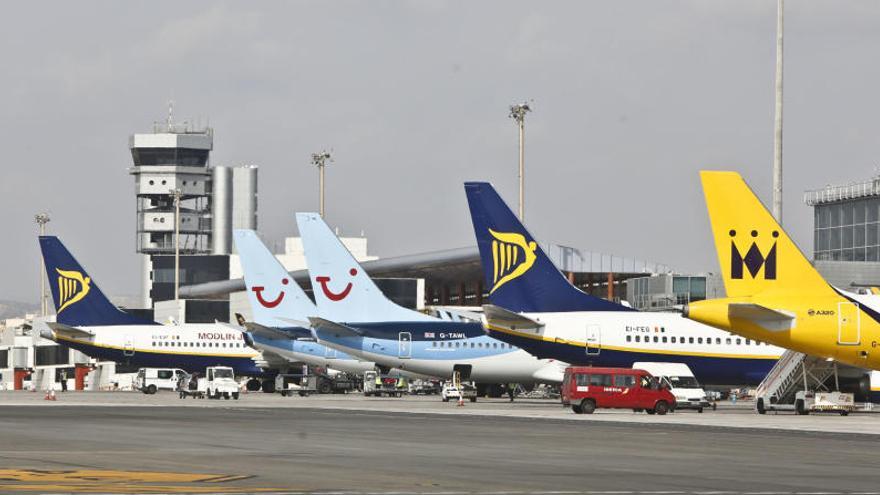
x=312, y=353
x=843, y=328
x=619, y=339
x=436, y=348
x=191, y=347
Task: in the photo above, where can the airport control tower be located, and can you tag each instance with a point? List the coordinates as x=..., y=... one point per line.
x=174, y=158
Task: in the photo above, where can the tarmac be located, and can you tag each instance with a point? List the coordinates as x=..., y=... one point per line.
x=127, y=442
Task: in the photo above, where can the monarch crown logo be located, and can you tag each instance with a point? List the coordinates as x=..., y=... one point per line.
x=512, y=256
x=72, y=288
x=754, y=258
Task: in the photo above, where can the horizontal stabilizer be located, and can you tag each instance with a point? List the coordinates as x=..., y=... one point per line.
x=335, y=328
x=68, y=331
x=773, y=320
x=268, y=332
x=498, y=316
x=552, y=372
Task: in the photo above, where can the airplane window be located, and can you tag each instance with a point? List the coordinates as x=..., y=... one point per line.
x=664, y=339
x=700, y=340
x=738, y=341
x=638, y=338
x=673, y=339
x=495, y=345
x=690, y=340
x=748, y=342
x=728, y=340
x=154, y=344
x=480, y=345
x=709, y=340
x=472, y=345
x=629, y=338
x=434, y=344
x=718, y=340
x=656, y=339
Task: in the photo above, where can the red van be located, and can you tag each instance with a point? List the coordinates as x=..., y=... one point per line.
x=586, y=388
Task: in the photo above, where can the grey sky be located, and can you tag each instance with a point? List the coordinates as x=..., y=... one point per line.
x=631, y=100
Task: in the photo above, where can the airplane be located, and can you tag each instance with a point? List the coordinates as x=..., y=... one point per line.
x=88, y=322
x=355, y=317
x=281, y=310
x=773, y=292
x=535, y=307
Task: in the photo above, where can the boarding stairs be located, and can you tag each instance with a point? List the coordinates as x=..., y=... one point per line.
x=794, y=372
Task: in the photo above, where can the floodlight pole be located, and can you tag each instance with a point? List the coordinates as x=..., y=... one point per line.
x=320, y=160
x=176, y=193
x=518, y=114
x=777, y=141
x=42, y=219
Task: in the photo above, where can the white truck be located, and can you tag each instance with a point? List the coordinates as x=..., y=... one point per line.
x=220, y=382
x=151, y=380
x=680, y=380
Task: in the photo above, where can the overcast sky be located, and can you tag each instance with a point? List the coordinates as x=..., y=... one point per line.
x=631, y=99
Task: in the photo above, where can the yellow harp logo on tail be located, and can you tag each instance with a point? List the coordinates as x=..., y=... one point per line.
x=72, y=288
x=512, y=256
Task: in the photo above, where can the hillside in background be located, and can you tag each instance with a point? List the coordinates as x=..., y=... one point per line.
x=15, y=309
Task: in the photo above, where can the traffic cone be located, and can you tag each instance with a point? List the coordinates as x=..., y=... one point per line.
x=50, y=394
x=460, y=400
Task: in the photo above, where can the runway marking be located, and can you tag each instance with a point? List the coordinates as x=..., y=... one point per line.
x=114, y=481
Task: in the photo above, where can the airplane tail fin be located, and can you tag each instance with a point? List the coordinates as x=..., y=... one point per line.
x=755, y=253
x=343, y=290
x=272, y=293
x=519, y=275
x=78, y=300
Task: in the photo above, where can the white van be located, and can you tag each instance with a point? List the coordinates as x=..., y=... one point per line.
x=150, y=380
x=688, y=392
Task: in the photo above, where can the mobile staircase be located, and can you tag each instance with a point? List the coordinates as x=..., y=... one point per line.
x=802, y=383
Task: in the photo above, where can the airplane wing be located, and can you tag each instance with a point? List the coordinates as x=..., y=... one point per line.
x=69, y=331
x=498, y=316
x=336, y=328
x=771, y=319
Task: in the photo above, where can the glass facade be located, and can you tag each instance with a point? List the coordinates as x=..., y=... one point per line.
x=847, y=231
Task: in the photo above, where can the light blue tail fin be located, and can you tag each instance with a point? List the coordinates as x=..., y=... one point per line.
x=343, y=290
x=78, y=300
x=275, y=297
x=519, y=275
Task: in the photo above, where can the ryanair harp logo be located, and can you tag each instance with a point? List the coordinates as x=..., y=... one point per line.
x=511, y=257
x=72, y=288
x=754, y=258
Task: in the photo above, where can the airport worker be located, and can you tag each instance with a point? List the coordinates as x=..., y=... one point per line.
x=64, y=380
x=511, y=390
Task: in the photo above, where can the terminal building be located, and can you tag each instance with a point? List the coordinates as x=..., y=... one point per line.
x=846, y=232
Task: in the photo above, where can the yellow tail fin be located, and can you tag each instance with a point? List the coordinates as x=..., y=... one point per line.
x=755, y=254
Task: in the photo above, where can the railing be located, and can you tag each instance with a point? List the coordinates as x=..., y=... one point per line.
x=832, y=194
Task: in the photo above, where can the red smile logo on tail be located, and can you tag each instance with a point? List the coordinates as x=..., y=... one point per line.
x=258, y=291
x=334, y=296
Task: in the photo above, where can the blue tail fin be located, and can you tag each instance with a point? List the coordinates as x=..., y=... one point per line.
x=272, y=293
x=78, y=300
x=343, y=290
x=519, y=276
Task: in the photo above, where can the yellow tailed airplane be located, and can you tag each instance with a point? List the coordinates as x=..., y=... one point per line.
x=773, y=293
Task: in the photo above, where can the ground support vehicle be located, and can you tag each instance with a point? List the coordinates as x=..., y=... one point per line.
x=191, y=386
x=585, y=389
x=288, y=384
x=377, y=385
x=220, y=382
x=464, y=392
x=680, y=380
x=151, y=380
x=425, y=387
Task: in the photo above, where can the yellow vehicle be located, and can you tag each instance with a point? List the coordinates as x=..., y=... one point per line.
x=773, y=292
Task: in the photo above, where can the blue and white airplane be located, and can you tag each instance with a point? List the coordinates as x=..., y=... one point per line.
x=88, y=322
x=533, y=306
x=281, y=311
x=355, y=317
